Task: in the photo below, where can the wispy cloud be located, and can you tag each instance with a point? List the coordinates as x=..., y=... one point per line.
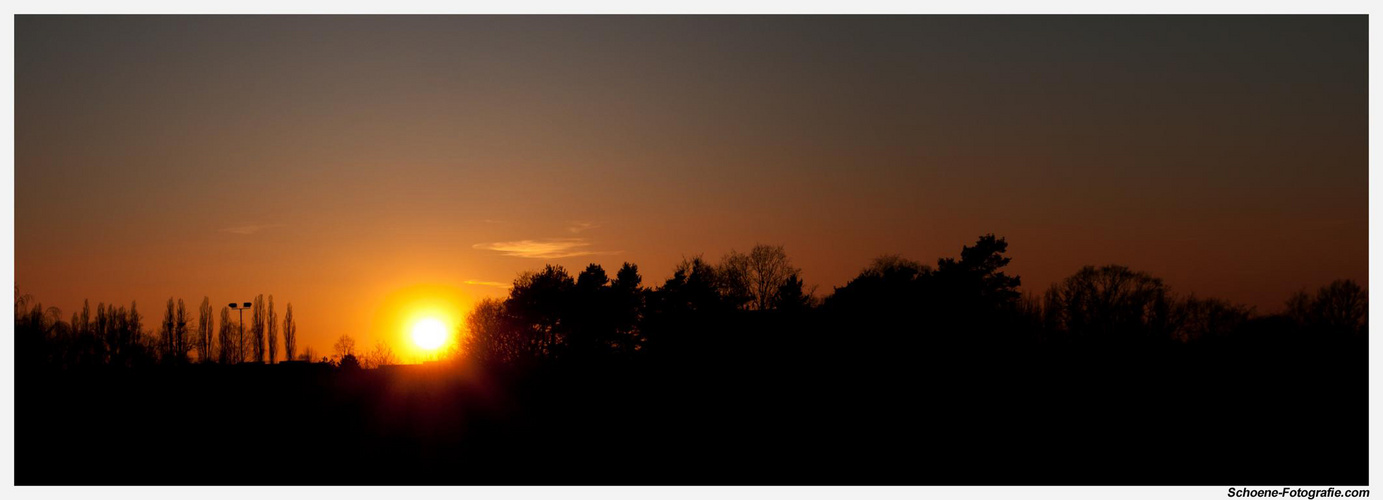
x=577, y=227
x=543, y=249
x=250, y=229
x=495, y=284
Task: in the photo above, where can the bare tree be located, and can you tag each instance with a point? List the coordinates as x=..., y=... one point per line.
x=134, y=324
x=116, y=334
x=290, y=333
x=345, y=346
x=181, y=336
x=382, y=355
x=102, y=331
x=166, y=333
x=228, y=346
x=257, y=328
x=1195, y=318
x=85, y=327
x=205, y=327
x=174, y=334
x=21, y=302
x=1109, y=300
x=1341, y=307
x=757, y=277
x=271, y=329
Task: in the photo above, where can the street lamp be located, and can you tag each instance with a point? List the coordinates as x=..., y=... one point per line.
x=240, y=346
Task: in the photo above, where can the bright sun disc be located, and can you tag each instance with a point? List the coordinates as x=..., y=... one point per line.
x=429, y=333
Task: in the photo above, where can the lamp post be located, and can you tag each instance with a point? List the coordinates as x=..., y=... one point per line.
x=240, y=345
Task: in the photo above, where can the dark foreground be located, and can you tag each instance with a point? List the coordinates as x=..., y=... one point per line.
x=1044, y=414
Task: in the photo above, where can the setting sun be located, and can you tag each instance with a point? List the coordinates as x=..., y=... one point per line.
x=429, y=333
x=424, y=320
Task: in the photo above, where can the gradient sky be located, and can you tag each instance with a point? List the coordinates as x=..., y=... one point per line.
x=359, y=166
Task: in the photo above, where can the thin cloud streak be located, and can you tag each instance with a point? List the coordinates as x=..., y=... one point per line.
x=543, y=249
x=577, y=227
x=250, y=229
x=495, y=284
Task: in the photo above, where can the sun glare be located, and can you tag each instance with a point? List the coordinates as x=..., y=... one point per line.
x=424, y=321
x=429, y=333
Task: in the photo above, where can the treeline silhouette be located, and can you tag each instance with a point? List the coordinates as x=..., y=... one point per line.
x=115, y=336
x=968, y=303
x=732, y=372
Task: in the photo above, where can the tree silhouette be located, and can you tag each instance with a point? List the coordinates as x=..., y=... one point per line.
x=589, y=314
x=978, y=277
x=491, y=337
x=228, y=353
x=166, y=331
x=695, y=286
x=257, y=328
x=100, y=335
x=87, y=350
x=86, y=317
x=182, y=334
x=755, y=279
x=1196, y=319
x=683, y=313
x=537, y=300
x=1338, y=308
x=172, y=334
x=344, y=346
x=205, y=331
x=349, y=362
x=1109, y=302
x=627, y=304
x=886, y=276
x=382, y=355
x=271, y=328
x=592, y=278
x=132, y=349
x=290, y=333
x=112, y=333
x=34, y=330
x=792, y=297
x=890, y=283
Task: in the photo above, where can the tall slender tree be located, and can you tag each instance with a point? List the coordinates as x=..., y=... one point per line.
x=290, y=333
x=228, y=347
x=135, y=323
x=181, y=338
x=166, y=333
x=205, y=326
x=257, y=328
x=101, y=331
x=85, y=328
x=271, y=329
